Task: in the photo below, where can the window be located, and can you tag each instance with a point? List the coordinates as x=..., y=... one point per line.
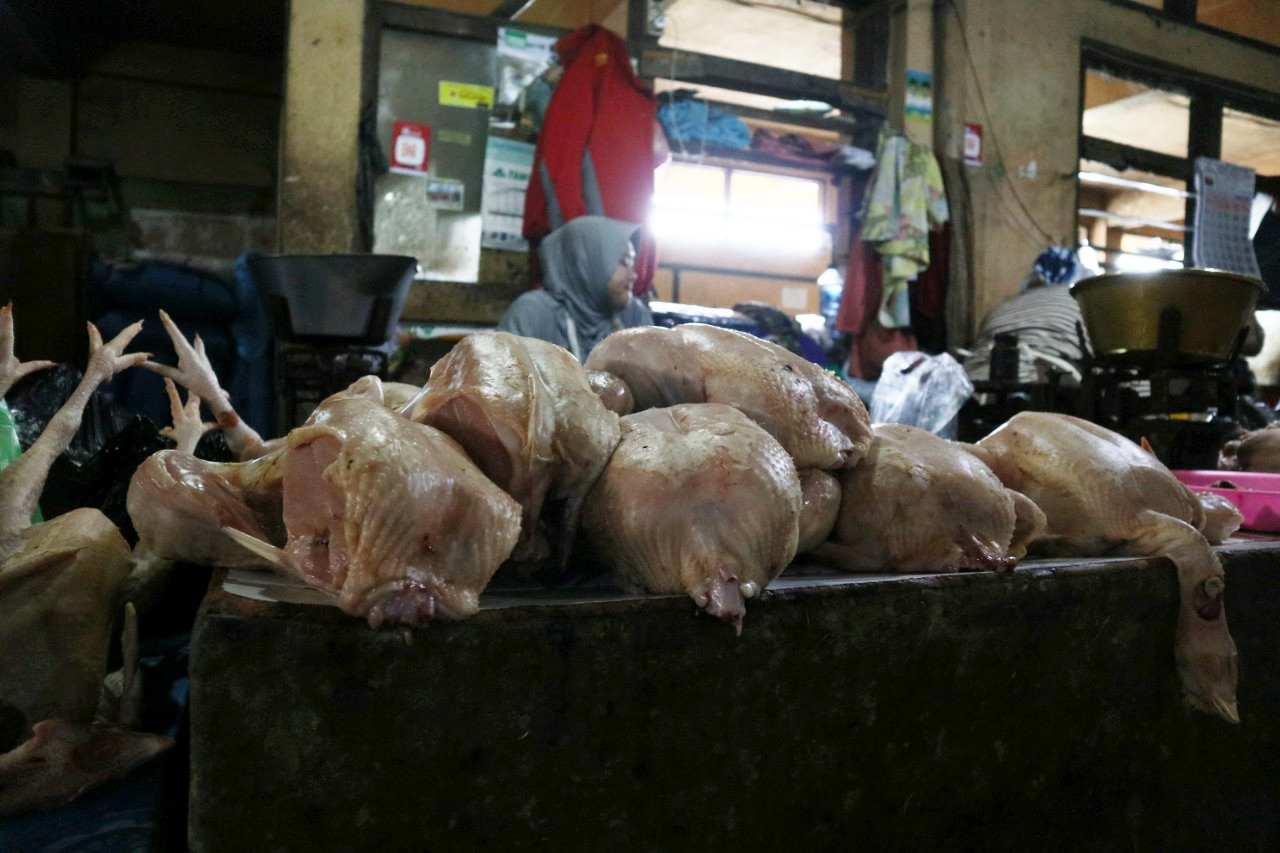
x=1141, y=130
x=729, y=234
x=1256, y=20
x=740, y=207
x=796, y=35
x=1132, y=113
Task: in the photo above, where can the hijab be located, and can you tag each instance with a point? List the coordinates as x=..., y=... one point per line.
x=578, y=258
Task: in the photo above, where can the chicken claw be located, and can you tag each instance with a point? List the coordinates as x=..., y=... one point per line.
x=187, y=427
x=11, y=370
x=195, y=373
x=22, y=482
x=106, y=360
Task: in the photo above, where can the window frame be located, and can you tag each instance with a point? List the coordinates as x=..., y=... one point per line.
x=1209, y=97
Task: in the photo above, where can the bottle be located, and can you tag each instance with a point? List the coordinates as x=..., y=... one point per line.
x=830, y=289
x=10, y=449
x=1004, y=358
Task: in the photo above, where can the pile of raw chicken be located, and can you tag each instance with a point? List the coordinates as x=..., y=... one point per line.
x=692, y=460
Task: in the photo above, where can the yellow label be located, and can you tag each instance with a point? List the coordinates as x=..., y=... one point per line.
x=468, y=95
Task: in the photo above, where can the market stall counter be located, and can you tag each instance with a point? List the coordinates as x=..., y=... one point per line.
x=1035, y=708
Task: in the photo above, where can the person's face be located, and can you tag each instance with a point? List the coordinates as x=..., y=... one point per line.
x=624, y=276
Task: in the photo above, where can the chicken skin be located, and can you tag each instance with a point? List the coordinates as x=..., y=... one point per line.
x=1103, y=494
x=920, y=503
x=389, y=515
x=697, y=499
x=816, y=417
x=524, y=411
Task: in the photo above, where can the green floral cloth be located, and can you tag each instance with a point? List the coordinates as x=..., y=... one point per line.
x=905, y=199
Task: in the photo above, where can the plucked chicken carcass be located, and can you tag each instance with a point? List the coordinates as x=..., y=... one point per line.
x=1103, y=494
x=180, y=506
x=60, y=590
x=524, y=411
x=389, y=515
x=696, y=499
x=920, y=503
x=1257, y=450
x=816, y=417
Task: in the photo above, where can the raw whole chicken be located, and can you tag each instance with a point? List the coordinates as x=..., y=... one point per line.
x=62, y=760
x=389, y=515
x=920, y=503
x=1103, y=494
x=820, y=506
x=816, y=417
x=524, y=411
x=697, y=499
x=1258, y=450
x=60, y=591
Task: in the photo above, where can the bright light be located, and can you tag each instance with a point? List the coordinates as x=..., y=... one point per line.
x=688, y=226
x=1144, y=263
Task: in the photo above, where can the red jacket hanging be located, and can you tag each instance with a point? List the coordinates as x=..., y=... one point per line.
x=595, y=148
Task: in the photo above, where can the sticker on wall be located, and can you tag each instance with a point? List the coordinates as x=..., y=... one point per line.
x=410, y=144
x=919, y=99
x=470, y=95
x=972, y=143
x=445, y=193
x=452, y=137
x=795, y=298
x=507, y=166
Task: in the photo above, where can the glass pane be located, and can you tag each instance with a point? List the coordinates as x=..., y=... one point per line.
x=799, y=35
x=1134, y=114
x=1251, y=140
x=688, y=187
x=757, y=195
x=1132, y=220
x=1255, y=19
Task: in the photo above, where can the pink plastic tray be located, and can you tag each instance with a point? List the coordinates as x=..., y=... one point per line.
x=1257, y=496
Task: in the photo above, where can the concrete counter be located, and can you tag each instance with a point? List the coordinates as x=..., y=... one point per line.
x=1033, y=709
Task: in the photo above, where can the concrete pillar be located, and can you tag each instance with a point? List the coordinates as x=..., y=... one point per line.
x=319, y=132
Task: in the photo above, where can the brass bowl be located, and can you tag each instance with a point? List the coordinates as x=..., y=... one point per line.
x=1166, y=318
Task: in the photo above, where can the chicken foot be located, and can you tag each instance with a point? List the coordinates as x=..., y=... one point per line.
x=23, y=481
x=195, y=373
x=11, y=370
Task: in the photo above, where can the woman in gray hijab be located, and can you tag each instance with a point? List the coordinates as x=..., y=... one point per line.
x=588, y=269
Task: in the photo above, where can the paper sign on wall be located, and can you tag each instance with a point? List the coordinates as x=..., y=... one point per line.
x=972, y=143
x=470, y=95
x=410, y=144
x=507, y=166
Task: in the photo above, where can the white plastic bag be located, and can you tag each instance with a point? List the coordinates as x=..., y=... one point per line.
x=921, y=390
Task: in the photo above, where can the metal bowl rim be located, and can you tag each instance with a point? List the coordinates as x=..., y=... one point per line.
x=1202, y=273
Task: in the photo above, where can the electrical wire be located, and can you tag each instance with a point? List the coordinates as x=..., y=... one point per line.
x=1041, y=233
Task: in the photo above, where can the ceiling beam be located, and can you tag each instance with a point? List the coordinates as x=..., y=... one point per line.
x=685, y=67
x=511, y=8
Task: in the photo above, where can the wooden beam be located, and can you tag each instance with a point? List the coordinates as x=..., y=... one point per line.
x=511, y=8
x=724, y=73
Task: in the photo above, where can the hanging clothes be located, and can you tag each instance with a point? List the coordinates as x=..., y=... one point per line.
x=905, y=200
x=871, y=342
x=595, y=152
